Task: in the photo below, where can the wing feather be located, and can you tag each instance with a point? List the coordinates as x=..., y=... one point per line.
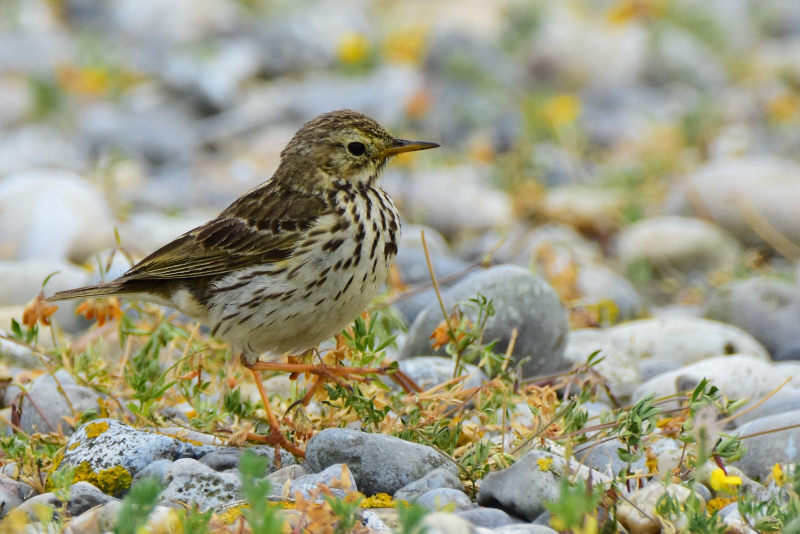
x=260, y=227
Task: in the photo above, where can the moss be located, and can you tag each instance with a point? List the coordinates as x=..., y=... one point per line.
x=110, y=481
x=96, y=429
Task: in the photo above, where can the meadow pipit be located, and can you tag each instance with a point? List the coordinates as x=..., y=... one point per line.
x=290, y=263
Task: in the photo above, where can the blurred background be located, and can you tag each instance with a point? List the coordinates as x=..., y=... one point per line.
x=637, y=153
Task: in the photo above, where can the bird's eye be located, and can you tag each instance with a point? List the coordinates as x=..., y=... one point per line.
x=356, y=148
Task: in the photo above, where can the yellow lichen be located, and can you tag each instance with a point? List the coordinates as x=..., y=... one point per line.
x=718, y=504
x=74, y=445
x=96, y=429
x=59, y=457
x=544, y=463
x=229, y=516
x=187, y=440
x=110, y=481
x=379, y=500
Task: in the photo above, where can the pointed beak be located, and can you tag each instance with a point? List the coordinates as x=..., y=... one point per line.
x=402, y=145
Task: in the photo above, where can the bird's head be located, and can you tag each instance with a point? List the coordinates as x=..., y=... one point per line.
x=342, y=146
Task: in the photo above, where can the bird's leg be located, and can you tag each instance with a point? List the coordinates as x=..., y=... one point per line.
x=330, y=371
x=309, y=394
x=275, y=436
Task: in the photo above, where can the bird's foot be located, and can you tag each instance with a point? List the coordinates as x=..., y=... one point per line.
x=275, y=436
x=279, y=441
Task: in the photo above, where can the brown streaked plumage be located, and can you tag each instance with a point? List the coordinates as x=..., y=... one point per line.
x=293, y=261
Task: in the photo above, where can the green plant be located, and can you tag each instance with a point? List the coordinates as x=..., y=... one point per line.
x=634, y=425
x=575, y=509
x=696, y=518
x=29, y=336
x=137, y=506
x=144, y=374
x=363, y=405
x=410, y=518
x=345, y=511
x=193, y=521
x=61, y=482
x=262, y=516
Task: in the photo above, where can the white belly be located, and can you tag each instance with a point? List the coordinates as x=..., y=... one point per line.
x=315, y=294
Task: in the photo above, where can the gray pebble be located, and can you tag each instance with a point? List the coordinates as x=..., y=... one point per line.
x=488, y=517
x=603, y=457
x=523, y=488
x=189, y=481
x=226, y=458
x=44, y=406
x=768, y=309
x=114, y=444
x=414, y=272
x=380, y=464
x=780, y=403
x=279, y=478
x=12, y=494
x=443, y=523
x=524, y=529
x=438, y=478
x=83, y=496
x=652, y=368
x=430, y=371
x=156, y=469
x=337, y=478
x=436, y=499
x=521, y=300
x=764, y=451
x=543, y=519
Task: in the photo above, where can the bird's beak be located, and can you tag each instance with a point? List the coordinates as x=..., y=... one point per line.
x=402, y=145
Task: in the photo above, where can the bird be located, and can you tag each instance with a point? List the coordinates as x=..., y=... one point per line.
x=290, y=263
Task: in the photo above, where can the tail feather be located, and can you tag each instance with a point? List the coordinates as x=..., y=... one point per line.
x=100, y=290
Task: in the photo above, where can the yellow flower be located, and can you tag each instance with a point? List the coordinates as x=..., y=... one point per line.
x=783, y=107
x=406, y=45
x=626, y=11
x=778, y=475
x=561, y=110
x=87, y=81
x=589, y=526
x=722, y=482
x=353, y=47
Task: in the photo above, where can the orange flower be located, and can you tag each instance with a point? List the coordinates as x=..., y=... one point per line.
x=102, y=309
x=441, y=336
x=38, y=310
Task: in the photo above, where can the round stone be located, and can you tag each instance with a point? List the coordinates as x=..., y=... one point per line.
x=521, y=300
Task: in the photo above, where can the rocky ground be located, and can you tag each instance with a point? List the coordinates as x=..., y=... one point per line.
x=612, y=219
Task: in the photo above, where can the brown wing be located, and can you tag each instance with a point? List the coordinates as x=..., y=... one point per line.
x=260, y=227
